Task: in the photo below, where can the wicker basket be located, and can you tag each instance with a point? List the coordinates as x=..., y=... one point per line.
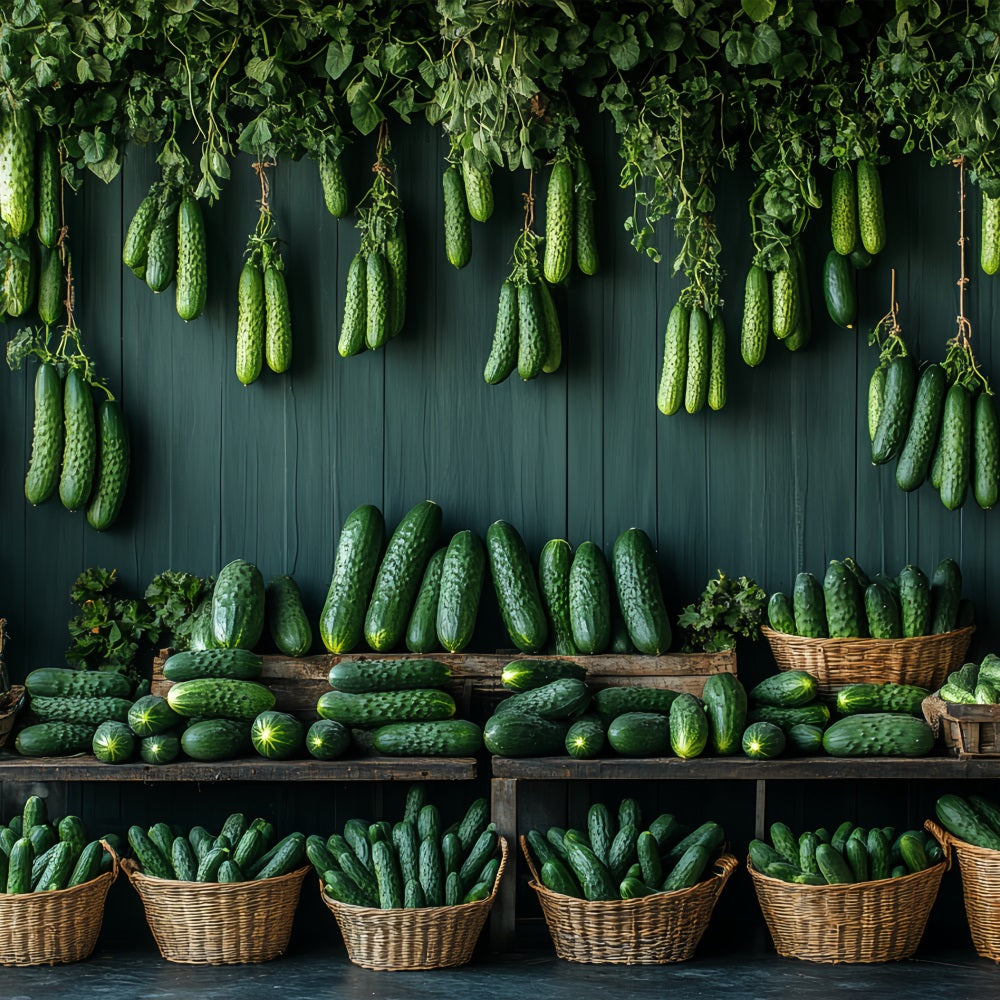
x=865, y=922
x=965, y=730
x=211, y=923
x=652, y=930
x=980, y=868
x=53, y=928
x=11, y=703
x=924, y=660
x=435, y=937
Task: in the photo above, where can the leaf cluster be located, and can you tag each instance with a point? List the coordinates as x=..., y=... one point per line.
x=173, y=598
x=727, y=609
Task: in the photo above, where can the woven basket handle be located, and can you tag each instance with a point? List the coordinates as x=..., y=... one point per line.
x=943, y=837
x=114, y=860
x=726, y=864
x=529, y=859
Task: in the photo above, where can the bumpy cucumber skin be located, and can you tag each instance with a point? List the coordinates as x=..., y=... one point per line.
x=48, y=221
x=250, y=323
x=699, y=345
x=17, y=170
x=785, y=300
x=532, y=339
x=590, y=599
x=871, y=213
x=876, y=395
x=925, y=420
x=553, y=576
x=112, y=472
x=355, y=565
x=161, y=252
x=801, y=335
x=843, y=211
x=396, y=262
x=516, y=588
x=421, y=633
x=140, y=228
x=286, y=618
x=457, y=221
x=845, y=611
x=377, y=305
x=238, y=605
x=558, y=223
x=503, y=353
x=331, y=176
x=897, y=404
x=553, y=333
x=946, y=596
x=640, y=597
x=883, y=612
x=985, y=451
x=670, y=394
x=809, y=606
x=585, y=242
x=478, y=191
x=192, y=259
x=956, y=446
x=989, y=242
x=756, y=317
x=278, y=321
x=779, y=613
x=461, y=587
x=915, y=601
x=79, y=442
x=47, y=438
x=717, y=364
x=352, y=329
x=50, y=288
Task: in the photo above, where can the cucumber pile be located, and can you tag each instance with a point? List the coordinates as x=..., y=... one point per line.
x=974, y=683
x=166, y=240
x=413, y=863
x=242, y=851
x=399, y=707
x=617, y=857
x=975, y=819
x=850, y=604
x=850, y=855
x=39, y=854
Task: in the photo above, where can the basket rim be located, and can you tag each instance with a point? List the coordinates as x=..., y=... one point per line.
x=376, y=911
x=134, y=874
x=950, y=842
x=914, y=640
x=109, y=876
x=846, y=886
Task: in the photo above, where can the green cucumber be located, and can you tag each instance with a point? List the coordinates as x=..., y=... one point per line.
x=985, y=451
x=688, y=727
x=504, y=349
x=553, y=577
x=897, y=404
x=915, y=601
x=838, y=289
x=843, y=211
x=809, y=607
x=780, y=615
x=379, y=708
x=640, y=597
x=725, y=705
x=871, y=212
x=457, y=221
x=585, y=738
x=844, y=602
x=421, y=632
x=879, y=735
x=670, y=393
x=756, y=316
x=460, y=589
x=287, y=621
x=589, y=599
x=516, y=588
x=763, y=741
x=882, y=612
x=640, y=734
x=787, y=689
x=525, y=675
x=47, y=437
x=915, y=458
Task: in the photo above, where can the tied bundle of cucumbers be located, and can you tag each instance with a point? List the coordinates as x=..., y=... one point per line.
x=70, y=707
x=975, y=819
x=414, y=863
x=241, y=851
x=263, y=324
x=166, y=240
x=974, y=683
x=857, y=229
x=468, y=197
x=570, y=232
x=375, y=300
x=617, y=857
x=850, y=855
x=399, y=708
x=527, y=336
x=850, y=604
x=694, y=360
x=39, y=854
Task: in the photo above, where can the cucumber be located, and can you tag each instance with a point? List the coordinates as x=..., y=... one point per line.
x=640, y=734
x=457, y=221
x=610, y=702
x=47, y=437
x=460, y=589
x=526, y=675
x=959, y=818
x=512, y=734
x=808, y=843
x=532, y=336
x=876, y=395
x=136, y=244
x=780, y=615
x=845, y=609
x=946, y=595
x=785, y=843
x=352, y=324
x=112, y=470
x=989, y=235
x=595, y=879
x=688, y=727
x=832, y=865
x=376, y=299
x=234, y=663
x=698, y=347
x=421, y=633
x=600, y=830
x=478, y=190
x=192, y=259
x=843, y=211
x=220, y=698
x=79, y=441
x=556, y=877
x=287, y=621
x=882, y=612
x=447, y=738
x=558, y=223
x=589, y=599
x=553, y=577
x=956, y=446
x=879, y=735
x=48, y=179
x=277, y=735
x=400, y=574
x=183, y=860
x=915, y=601
x=688, y=870
x=366, y=676
x=640, y=598
x=396, y=259
x=51, y=288
x=86, y=711
x=838, y=289
x=871, y=213
x=763, y=741
x=717, y=364
x=809, y=606
x=725, y=705
x=985, y=451
x=585, y=738
x=914, y=460
x=113, y=743
x=878, y=855
x=430, y=873
x=215, y=739
x=161, y=251
x=62, y=682
x=379, y=708
x=785, y=299
x=805, y=738
x=553, y=333
x=504, y=349
x=585, y=229
x=855, y=699
x=814, y=714
x=54, y=739
x=334, y=184
x=516, y=588
x=238, y=606
x=756, y=316
x=857, y=859
x=561, y=699
x=897, y=404
x=787, y=689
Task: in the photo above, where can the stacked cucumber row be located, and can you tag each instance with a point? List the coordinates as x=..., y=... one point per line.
x=166, y=240
x=941, y=426
x=617, y=857
x=39, y=854
x=974, y=819
x=242, y=851
x=414, y=863
x=850, y=855
x=850, y=604
x=974, y=683
x=399, y=708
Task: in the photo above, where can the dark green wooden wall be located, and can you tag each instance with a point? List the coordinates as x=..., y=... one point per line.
x=779, y=480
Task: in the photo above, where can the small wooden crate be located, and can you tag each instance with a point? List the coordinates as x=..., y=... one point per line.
x=298, y=682
x=964, y=730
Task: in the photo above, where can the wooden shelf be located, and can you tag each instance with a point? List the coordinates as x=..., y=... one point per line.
x=86, y=768
x=742, y=768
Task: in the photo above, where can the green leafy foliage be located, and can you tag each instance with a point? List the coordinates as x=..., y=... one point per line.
x=173, y=597
x=726, y=609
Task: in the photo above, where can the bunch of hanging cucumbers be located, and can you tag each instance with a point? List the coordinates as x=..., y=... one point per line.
x=165, y=241
x=30, y=268
x=375, y=301
x=468, y=197
x=570, y=232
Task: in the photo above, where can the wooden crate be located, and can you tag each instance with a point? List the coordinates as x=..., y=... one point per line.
x=964, y=730
x=298, y=682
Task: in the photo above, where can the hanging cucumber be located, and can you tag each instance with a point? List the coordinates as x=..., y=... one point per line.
x=79, y=440
x=457, y=220
x=989, y=237
x=559, y=222
x=785, y=299
x=47, y=437
x=699, y=345
x=717, y=364
x=192, y=259
x=956, y=446
x=922, y=435
x=331, y=177
x=756, y=317
x=250, y=321
x=986, y=451
x=112, y=469
x=871, y=213
x=844, y=211
x=671, y=391
x=503, y=353
x=897, y=403
x=352, y=330
x=838, y=289
x=584, y=198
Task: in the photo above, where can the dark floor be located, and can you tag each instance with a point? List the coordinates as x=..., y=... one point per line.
x=307, y=974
